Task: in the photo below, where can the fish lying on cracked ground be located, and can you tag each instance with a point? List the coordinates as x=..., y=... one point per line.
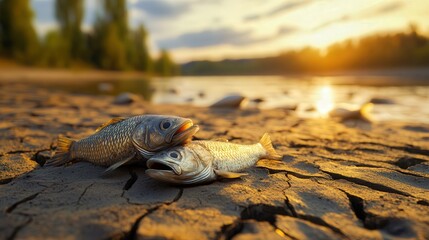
x=205, y=161
x=122, y=140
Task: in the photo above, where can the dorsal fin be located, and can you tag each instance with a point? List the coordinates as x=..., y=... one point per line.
x=110, y=122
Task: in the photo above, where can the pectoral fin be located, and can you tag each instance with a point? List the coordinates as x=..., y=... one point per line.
x=110, y=122
x=226, y=174
x=116, y=165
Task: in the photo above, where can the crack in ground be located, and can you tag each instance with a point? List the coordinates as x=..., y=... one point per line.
x=18, y=151
x=391, y=225
x=258, y=212
x=358, y=164
x=406, y=162
x=132, y=234
x=83, y=193
x=29, y=198
x=19, y=228
x=297, y=175
x=423, y=202
x=408, y=148
x=412, y=149
x=312, y=219
x=130, y=182
x=357, y=205
x=6, y=180
x=374, y=186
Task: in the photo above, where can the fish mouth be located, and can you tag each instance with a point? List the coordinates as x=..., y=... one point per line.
x=163, y=166
x=184, y=132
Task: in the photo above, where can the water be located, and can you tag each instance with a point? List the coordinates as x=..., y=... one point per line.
x=312, y=96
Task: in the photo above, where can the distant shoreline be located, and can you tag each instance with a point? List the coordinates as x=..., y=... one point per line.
x=31, y=74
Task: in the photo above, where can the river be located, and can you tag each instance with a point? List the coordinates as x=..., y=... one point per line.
x=313, y=96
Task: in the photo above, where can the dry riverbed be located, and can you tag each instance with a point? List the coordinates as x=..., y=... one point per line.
x=351, y=180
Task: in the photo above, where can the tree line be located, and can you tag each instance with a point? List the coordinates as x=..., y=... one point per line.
x=111, y=44
x=402, y=49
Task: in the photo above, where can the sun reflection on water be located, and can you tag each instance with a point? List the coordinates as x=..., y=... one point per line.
x=324, y=100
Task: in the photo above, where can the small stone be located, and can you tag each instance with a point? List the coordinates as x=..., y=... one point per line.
x=231, y=101
x=379, y=100
x=125, y=98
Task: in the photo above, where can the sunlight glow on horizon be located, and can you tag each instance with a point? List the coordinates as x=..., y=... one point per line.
x=215, y=30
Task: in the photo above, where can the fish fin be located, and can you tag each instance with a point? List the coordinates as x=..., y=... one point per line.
x=62, y=154
x=116, y=165
x=226, y=174
x=221, y=139
x=268, y=146
x=110, y=122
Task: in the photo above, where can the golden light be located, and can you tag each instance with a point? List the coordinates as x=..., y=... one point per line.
x=324, y=100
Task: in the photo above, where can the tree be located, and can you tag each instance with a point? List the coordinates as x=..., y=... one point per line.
x=53, y=48
x=165, y=66
x=18, y=37
x=111, y=36
x=69, y=14
x=139, y=51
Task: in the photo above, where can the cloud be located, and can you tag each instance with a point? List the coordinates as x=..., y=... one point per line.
x=221, y=36
x=385, y=9
x=208, y=38
x=286, y=30
x=159, y=8
x=285, y=7
x=333, y=21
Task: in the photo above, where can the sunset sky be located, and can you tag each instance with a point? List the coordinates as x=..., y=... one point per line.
x=217, y=29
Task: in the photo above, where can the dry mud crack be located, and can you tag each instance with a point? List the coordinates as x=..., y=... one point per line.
x=350, y=180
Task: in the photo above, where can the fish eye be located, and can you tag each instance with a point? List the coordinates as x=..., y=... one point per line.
x=165, y=125
x=174, y=155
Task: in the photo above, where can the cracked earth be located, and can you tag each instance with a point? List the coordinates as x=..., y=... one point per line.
x=349, y=180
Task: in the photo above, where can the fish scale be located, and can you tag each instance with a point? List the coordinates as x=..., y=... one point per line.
x=231, y=156
x=109, y=146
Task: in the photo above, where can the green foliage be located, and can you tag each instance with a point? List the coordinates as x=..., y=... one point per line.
x=110, y=49
x=110, y=36
x=54, y=50
x=69, y=14
x=18, y=37
x=164, y=66
x=111, y=45
x=138, y=50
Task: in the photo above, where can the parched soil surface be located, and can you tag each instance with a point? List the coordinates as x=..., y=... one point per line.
x=337, y=180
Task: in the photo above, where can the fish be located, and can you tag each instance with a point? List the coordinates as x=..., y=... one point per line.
x=123, y=140
x=204, y=161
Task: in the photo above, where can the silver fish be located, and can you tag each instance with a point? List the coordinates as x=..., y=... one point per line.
x=205, y=161
x=124, y=139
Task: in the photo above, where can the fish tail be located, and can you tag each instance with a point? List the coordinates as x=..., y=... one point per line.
x=62, y=154
x=268, y=146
